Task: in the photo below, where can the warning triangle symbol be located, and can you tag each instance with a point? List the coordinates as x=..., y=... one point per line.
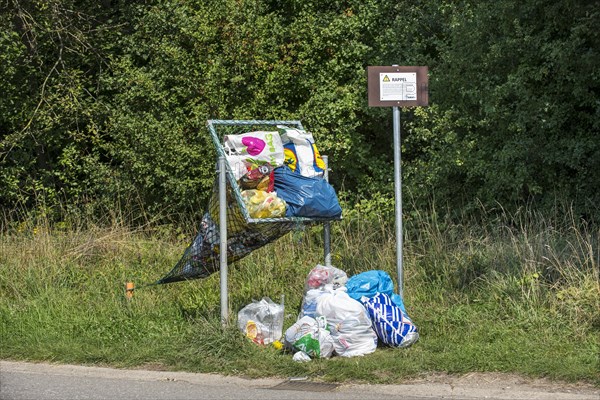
x=386, y=78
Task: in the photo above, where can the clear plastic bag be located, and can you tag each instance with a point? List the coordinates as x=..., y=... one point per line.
x=262, y=321
x=322, y=275
x=261, y=204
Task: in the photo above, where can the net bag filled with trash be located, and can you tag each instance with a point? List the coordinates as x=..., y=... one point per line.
x=274, y=184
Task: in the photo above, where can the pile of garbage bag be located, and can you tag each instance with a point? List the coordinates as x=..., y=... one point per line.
x=280, y=174
x=339, y=316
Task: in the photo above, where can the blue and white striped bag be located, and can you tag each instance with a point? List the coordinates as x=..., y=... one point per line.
x=390, y=323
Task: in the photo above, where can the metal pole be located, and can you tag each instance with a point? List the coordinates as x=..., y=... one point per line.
x=327, y=224
x=223, y=239
x=398, y=195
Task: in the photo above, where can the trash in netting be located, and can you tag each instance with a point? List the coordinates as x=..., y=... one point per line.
x=201, y=258
x=252, y=151
x=262, y=204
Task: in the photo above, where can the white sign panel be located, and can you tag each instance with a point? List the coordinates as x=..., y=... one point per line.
x=397, y=86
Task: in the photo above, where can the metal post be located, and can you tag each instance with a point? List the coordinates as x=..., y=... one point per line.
x=398, y=195
x=223, y=239
x=327, y=224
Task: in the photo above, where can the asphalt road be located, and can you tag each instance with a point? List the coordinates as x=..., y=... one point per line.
x=30, y=381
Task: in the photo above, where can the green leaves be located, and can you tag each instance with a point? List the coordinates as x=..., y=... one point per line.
x=102, y=101
x=521, y=88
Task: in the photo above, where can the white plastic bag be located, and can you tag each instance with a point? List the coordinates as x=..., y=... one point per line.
x=301, y=356
x=238, y=165
x=310, y=336
x=310, y=299
x=262, y=321
x=253, y=148
x=349, y=324
x=320, y=280
x=301, y=153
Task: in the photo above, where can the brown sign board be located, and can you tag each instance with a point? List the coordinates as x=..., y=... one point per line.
x=398, y=86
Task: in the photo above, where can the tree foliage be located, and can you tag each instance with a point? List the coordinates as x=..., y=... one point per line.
x=106, y=101
x=524, y=90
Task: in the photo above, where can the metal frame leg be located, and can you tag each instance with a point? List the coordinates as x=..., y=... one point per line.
x=223, y=240
x=327, y=224
x=398, y=195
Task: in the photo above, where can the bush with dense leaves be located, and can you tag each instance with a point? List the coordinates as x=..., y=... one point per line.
x=106, y=102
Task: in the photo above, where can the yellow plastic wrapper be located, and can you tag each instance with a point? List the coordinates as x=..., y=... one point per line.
x=261, y=204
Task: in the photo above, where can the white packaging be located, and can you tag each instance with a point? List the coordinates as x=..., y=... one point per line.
x=253, y=148
x=349, y=324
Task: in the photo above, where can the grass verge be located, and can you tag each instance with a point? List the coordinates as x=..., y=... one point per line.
x=518, y=294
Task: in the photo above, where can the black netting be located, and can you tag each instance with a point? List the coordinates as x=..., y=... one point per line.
x=202, y=257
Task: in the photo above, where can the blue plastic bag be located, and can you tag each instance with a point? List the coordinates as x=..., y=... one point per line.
x=370, y=283
x=390, y=323
x=306, y=197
